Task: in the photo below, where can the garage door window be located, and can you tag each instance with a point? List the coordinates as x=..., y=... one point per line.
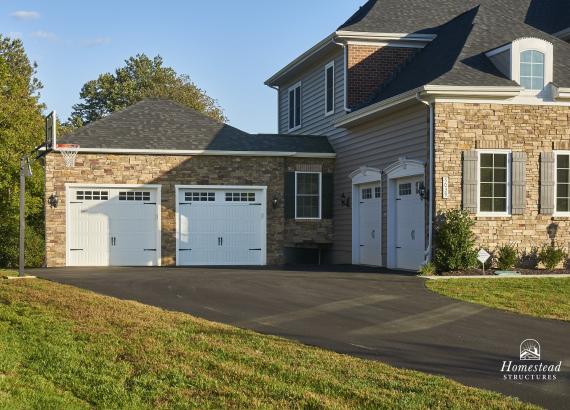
x=200, y=196
x=134, y=196
x=308, y=195
x=240, y=196
x=92, y=195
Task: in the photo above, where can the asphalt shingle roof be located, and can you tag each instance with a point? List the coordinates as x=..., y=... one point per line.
x=160, y=124
x=466, y=30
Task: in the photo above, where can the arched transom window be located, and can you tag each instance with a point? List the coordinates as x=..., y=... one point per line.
x=532, y=70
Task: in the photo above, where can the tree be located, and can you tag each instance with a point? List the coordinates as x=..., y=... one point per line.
x=140, y=78
x=21, y=130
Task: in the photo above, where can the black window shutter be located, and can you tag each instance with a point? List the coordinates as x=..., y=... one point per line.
x=289, y=199
x=327, y=198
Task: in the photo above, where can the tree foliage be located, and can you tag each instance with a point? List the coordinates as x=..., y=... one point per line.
x=140, y=78
x=21, y=130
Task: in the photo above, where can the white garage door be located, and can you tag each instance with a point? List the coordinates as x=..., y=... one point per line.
x=221, y=226
x=109, y=226
x=410, y=227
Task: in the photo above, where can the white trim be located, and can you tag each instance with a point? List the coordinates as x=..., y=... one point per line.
x=157, y=187
x=400, y=169
x=363, y=35
x=262, y=188
x=359, y=177
x=395, y=44
x=498, y=50
x=556, y=213
x=327, y=66
x=536, y=44
x=206, y=152
x=343, y=35
x=427, y=91
x=294, y=87
x=507, y=213
x=320, y=196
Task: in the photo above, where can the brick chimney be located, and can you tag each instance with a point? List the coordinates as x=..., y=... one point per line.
x=370, y=66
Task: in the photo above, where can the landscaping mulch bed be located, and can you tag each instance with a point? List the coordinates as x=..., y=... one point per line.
x=478, y=272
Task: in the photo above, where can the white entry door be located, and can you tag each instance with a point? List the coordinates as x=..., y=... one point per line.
x=221, y=226
x=369, y=224
x=112, y=227
x=410, y=226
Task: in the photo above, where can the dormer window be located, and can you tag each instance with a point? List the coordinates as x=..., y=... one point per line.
x=527, y=61
x=532, y=70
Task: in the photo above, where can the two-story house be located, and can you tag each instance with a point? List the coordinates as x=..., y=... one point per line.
x=439, y=104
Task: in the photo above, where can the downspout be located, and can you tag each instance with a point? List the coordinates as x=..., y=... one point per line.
x=345, y=68
x=276, y=88
x=428, y=251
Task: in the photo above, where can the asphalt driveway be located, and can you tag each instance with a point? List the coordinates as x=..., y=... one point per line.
x=380, y=316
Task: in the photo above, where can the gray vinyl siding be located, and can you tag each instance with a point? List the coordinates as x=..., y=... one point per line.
x=376, y=144
x=313, y=119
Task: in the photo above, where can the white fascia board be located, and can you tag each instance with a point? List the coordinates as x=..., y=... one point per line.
x=563, y=93
x=343, y=35
x=468, y=91
x=429, y=91
x=327, y=41
x=377, y=107
x=363, y=35
x=206, y=152
x=498, y=50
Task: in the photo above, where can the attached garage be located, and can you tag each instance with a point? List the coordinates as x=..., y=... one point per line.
x=113, y=225
x=221, y=225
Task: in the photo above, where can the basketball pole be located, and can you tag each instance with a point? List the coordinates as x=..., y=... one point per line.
x=23, y=163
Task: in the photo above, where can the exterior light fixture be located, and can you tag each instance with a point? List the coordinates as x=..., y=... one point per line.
x=53, y=200
x=344, y=200
x=275, y=201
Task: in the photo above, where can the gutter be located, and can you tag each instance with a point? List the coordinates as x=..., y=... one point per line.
x=428, y=250
x=206, y=152
x=433, y=91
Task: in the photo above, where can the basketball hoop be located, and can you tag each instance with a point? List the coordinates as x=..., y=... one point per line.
x=68, y=152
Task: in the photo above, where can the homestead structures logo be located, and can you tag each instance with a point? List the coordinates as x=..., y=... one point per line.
x=530, y=350
x=530, y=367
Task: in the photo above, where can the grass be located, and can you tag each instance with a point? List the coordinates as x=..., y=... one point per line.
x=62, y=347
x=540, y=297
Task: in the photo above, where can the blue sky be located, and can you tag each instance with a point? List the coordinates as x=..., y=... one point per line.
x=227, y=47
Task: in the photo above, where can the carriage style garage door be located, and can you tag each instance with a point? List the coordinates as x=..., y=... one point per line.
x=221, y=226
x=113, y=226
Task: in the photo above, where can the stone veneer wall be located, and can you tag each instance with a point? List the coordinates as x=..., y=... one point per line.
x=177, y=170
x=530, y=128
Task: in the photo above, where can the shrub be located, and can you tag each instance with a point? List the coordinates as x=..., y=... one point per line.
x=551, y=256
x=455, y=242
x=428, y=269
x=507, y=257
x=529, y=259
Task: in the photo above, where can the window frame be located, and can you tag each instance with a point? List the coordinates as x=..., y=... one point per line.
x=508, y=211
x=320, y=196
x=294, y=88
x=327, y=67
x=531, y=63
x=555, y=193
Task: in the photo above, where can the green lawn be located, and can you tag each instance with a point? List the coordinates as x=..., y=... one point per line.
x=541, y=297
x=61, y=347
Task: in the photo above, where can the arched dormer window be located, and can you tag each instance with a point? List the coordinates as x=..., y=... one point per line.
x=532, y=70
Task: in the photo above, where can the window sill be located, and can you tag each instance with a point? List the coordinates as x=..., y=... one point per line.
x=328, y=114
x=493, y=216
x=308, y=219
x=294, y=129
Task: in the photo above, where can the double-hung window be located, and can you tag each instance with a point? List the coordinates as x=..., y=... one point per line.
x=308, y=195
x=494, y=183
x=295, y=107
x=329, y=88
x=563, y=183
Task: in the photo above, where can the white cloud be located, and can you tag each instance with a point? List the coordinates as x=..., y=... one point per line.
x=25, y=15
x=45, y=35
x=98, y=41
